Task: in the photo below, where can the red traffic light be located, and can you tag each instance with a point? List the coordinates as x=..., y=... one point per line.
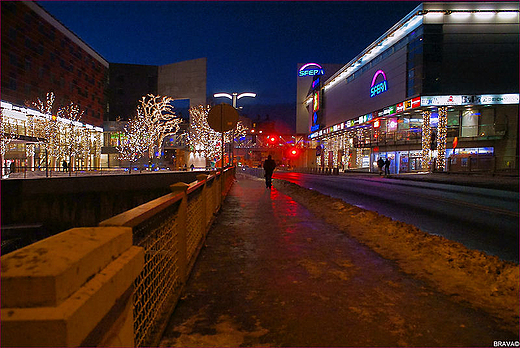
x=271, y=139
x=294, y=152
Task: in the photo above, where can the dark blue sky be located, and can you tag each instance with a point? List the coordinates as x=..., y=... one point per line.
x=249, y=46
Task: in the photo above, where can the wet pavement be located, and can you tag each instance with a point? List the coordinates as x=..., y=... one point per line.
x=272, y=274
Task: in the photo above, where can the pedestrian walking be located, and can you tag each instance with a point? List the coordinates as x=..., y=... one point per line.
x=380, y=164
x=387, y=166
x=269, y=166
x=64, y=165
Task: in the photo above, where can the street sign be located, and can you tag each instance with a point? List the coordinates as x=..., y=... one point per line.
x=222, y=117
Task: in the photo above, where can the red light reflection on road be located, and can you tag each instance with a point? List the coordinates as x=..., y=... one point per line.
x=296, y=178
x=285, y=213
x=287, y=207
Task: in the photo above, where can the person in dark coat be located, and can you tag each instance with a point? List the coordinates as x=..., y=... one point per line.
x=380, y=164
x=269, y=166
x=387, y=166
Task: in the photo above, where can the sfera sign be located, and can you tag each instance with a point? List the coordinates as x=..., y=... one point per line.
x=377, y=88
x=311, y=69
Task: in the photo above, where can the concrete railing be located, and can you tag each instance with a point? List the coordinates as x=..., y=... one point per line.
x=112, y=285
x=171, y=229
x=71, y=289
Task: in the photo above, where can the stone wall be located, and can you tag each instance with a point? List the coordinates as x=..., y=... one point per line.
x=52, y=205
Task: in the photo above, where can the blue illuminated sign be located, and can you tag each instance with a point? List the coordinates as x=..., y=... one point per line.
x=316, y=83
x=376, y=89
x=311, y=69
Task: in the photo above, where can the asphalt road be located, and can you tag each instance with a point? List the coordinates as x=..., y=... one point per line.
x=480, y=218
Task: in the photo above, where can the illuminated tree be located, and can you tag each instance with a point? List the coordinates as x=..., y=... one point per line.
x=71, y=131
x=206, y=140
x=135, y=140
x=154, y=120
x=160, y=120
x=8, y=134
x=49, y=129
x=63, y=135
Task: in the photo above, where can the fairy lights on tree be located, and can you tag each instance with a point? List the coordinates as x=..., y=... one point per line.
x=155, y=119
x=426, y=139
x=160, y=120
x=201, y=136
x=204, y=139
x=442, y=130
x=48, y=127
x=8, y=134
x=135, y=140
x=61, y=135
x=74, y=137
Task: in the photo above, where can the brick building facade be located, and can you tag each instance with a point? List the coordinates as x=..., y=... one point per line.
x=40, y=55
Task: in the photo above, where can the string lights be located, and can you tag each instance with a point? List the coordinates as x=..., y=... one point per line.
x=442, y=130
x=426, y=139
x=155, y=119
x=61, y=135
x=206, y=141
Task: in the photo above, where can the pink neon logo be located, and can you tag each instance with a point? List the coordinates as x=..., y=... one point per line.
x=309, y=64
x=379, y=72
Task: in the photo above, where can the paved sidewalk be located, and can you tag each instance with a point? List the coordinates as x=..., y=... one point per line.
x=273, y=275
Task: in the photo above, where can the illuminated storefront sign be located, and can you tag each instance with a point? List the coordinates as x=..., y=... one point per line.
x=391, y=125
x=311, y=69
x=316, y=101
x=364, y=118
x=376, y=89
x=470, y=99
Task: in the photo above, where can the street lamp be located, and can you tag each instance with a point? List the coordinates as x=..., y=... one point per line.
x=234, y=96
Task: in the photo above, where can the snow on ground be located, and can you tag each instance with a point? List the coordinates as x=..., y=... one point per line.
x=485, y=281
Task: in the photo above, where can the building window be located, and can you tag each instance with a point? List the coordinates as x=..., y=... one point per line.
x=12, y=34
x=12, y=83
x=487, y=122
x=28, y=64
x=453, y=124
x=13, y=60
x=470, y=123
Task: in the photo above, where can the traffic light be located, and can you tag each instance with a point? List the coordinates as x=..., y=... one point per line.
x=293, y=152
x=272, y=139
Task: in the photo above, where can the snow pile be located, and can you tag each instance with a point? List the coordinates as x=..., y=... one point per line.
x=468, y=275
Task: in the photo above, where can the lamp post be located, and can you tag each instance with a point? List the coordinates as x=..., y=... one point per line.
x=234, y=97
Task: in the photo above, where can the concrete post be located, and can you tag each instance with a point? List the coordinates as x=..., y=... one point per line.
x=72, y=289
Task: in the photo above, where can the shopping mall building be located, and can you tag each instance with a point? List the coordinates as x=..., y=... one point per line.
x=437, y=91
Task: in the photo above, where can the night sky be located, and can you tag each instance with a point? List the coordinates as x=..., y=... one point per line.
x=250, y=46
